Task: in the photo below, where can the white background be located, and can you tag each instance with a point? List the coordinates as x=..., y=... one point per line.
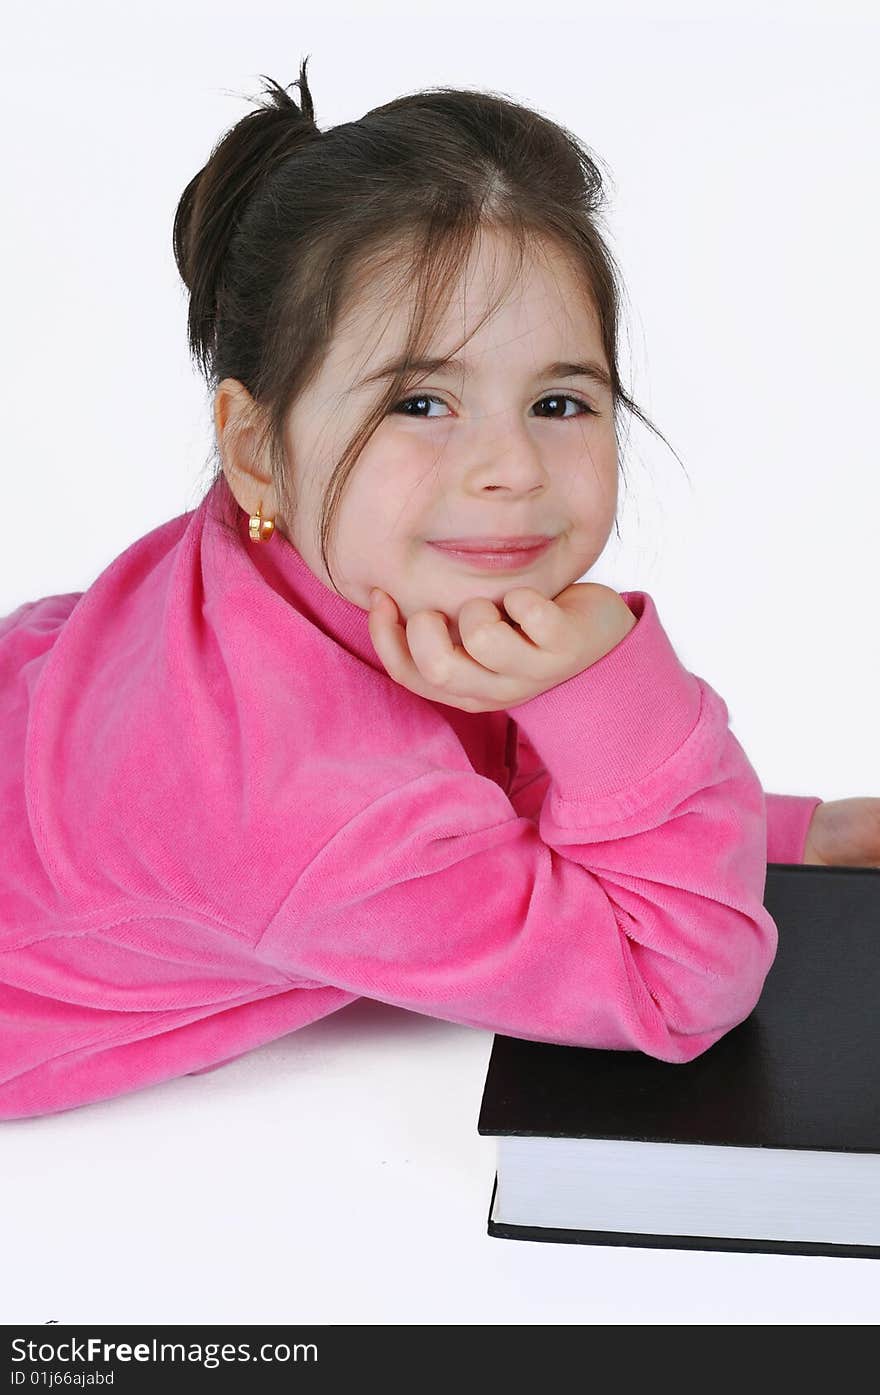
x=336, y=1175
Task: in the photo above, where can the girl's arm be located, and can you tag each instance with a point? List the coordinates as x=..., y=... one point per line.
x=630, y=916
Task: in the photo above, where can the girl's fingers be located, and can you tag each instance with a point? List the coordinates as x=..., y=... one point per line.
x=431, y=647
x=422, y=656
x=449, y=668
x=391, y=641
x=491, y=640
x=540, y=619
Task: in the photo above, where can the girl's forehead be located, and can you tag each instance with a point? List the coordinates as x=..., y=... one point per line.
x=538, y=312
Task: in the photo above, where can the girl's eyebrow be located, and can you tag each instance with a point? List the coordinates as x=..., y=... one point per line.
x=560, y=369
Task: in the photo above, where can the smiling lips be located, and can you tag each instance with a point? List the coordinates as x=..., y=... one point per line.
x=514, y=543
x=495, y=554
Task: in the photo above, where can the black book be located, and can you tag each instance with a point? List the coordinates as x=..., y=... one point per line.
x=767, y=1142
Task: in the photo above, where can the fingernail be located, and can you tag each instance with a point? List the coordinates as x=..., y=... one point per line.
x=375, y=597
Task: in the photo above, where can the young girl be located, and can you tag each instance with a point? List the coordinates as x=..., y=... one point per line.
x=234, y=797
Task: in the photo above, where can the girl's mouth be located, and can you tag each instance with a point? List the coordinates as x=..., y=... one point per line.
x=506, y=560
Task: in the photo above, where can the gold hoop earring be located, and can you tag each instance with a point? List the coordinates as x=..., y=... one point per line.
x=261, y=529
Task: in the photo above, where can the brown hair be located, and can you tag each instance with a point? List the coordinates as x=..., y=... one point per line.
x=277, y=229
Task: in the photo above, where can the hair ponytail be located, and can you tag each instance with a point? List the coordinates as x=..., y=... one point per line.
x=213, y=201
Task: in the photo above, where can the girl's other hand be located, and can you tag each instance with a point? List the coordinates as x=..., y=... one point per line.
x=844, y=833
x=499, y=664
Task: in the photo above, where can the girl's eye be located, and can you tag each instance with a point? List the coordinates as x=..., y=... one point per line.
x=553, y=397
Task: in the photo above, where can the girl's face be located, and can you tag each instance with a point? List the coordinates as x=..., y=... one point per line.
x=504, y=445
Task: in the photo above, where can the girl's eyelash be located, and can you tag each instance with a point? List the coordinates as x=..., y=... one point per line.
x=561, y=396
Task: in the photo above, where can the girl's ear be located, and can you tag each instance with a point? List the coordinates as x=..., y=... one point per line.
x=235, y=424
x=234, y=410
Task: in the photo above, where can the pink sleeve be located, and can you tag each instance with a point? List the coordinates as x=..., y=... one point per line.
x=629, y=917
x=531, y=778
x=788, y=818
x=788, y=815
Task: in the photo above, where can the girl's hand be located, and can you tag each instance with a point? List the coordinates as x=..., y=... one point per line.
x=844, y=833
x=500, y=664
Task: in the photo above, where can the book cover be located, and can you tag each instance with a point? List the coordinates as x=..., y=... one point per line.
x=802, y=1072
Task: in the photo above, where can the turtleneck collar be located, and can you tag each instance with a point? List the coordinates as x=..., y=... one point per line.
x=281, y=565
x=486, y=736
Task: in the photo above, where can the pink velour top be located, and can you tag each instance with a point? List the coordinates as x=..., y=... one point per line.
x=221, y=819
